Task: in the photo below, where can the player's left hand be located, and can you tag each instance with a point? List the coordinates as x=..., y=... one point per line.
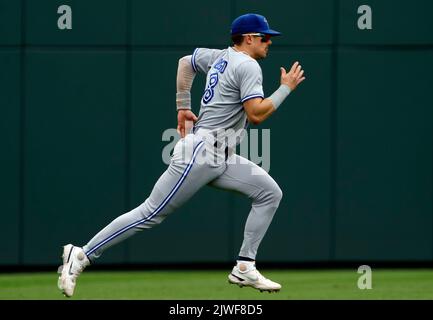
x=185, y=121
x=294, y=77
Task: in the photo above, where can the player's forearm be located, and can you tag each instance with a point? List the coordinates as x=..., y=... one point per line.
x=258, y=110
x=261, y=111
x=184, y=80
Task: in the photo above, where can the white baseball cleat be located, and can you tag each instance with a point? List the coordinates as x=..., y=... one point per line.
x=74, y=262
x=251, y=277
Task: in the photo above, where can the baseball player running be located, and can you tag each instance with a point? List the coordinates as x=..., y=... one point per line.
x=205, y=154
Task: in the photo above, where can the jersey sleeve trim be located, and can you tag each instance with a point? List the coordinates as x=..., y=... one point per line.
x=194, y=66
x=251, y=96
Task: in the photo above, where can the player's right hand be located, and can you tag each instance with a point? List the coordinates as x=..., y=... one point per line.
x=185, y=121
x=294, y=77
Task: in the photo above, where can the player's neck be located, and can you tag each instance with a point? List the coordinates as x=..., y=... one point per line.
x=241, y=49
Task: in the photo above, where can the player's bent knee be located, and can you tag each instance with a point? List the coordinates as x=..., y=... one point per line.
x=271, y=196
x=277, y=195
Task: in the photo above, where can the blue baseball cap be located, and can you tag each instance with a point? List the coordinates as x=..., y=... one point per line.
x=252, y=22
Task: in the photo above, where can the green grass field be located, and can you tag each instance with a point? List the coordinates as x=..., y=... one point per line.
x=212, y=284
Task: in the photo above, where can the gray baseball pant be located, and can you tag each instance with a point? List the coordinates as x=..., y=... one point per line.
x=192, y=166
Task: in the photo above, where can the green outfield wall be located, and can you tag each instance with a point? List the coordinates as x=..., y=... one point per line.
x=83, y=110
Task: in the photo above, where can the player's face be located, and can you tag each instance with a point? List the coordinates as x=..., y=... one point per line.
x=261, y=46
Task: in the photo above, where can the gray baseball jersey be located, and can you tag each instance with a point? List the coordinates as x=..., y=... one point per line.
x=232, y=78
